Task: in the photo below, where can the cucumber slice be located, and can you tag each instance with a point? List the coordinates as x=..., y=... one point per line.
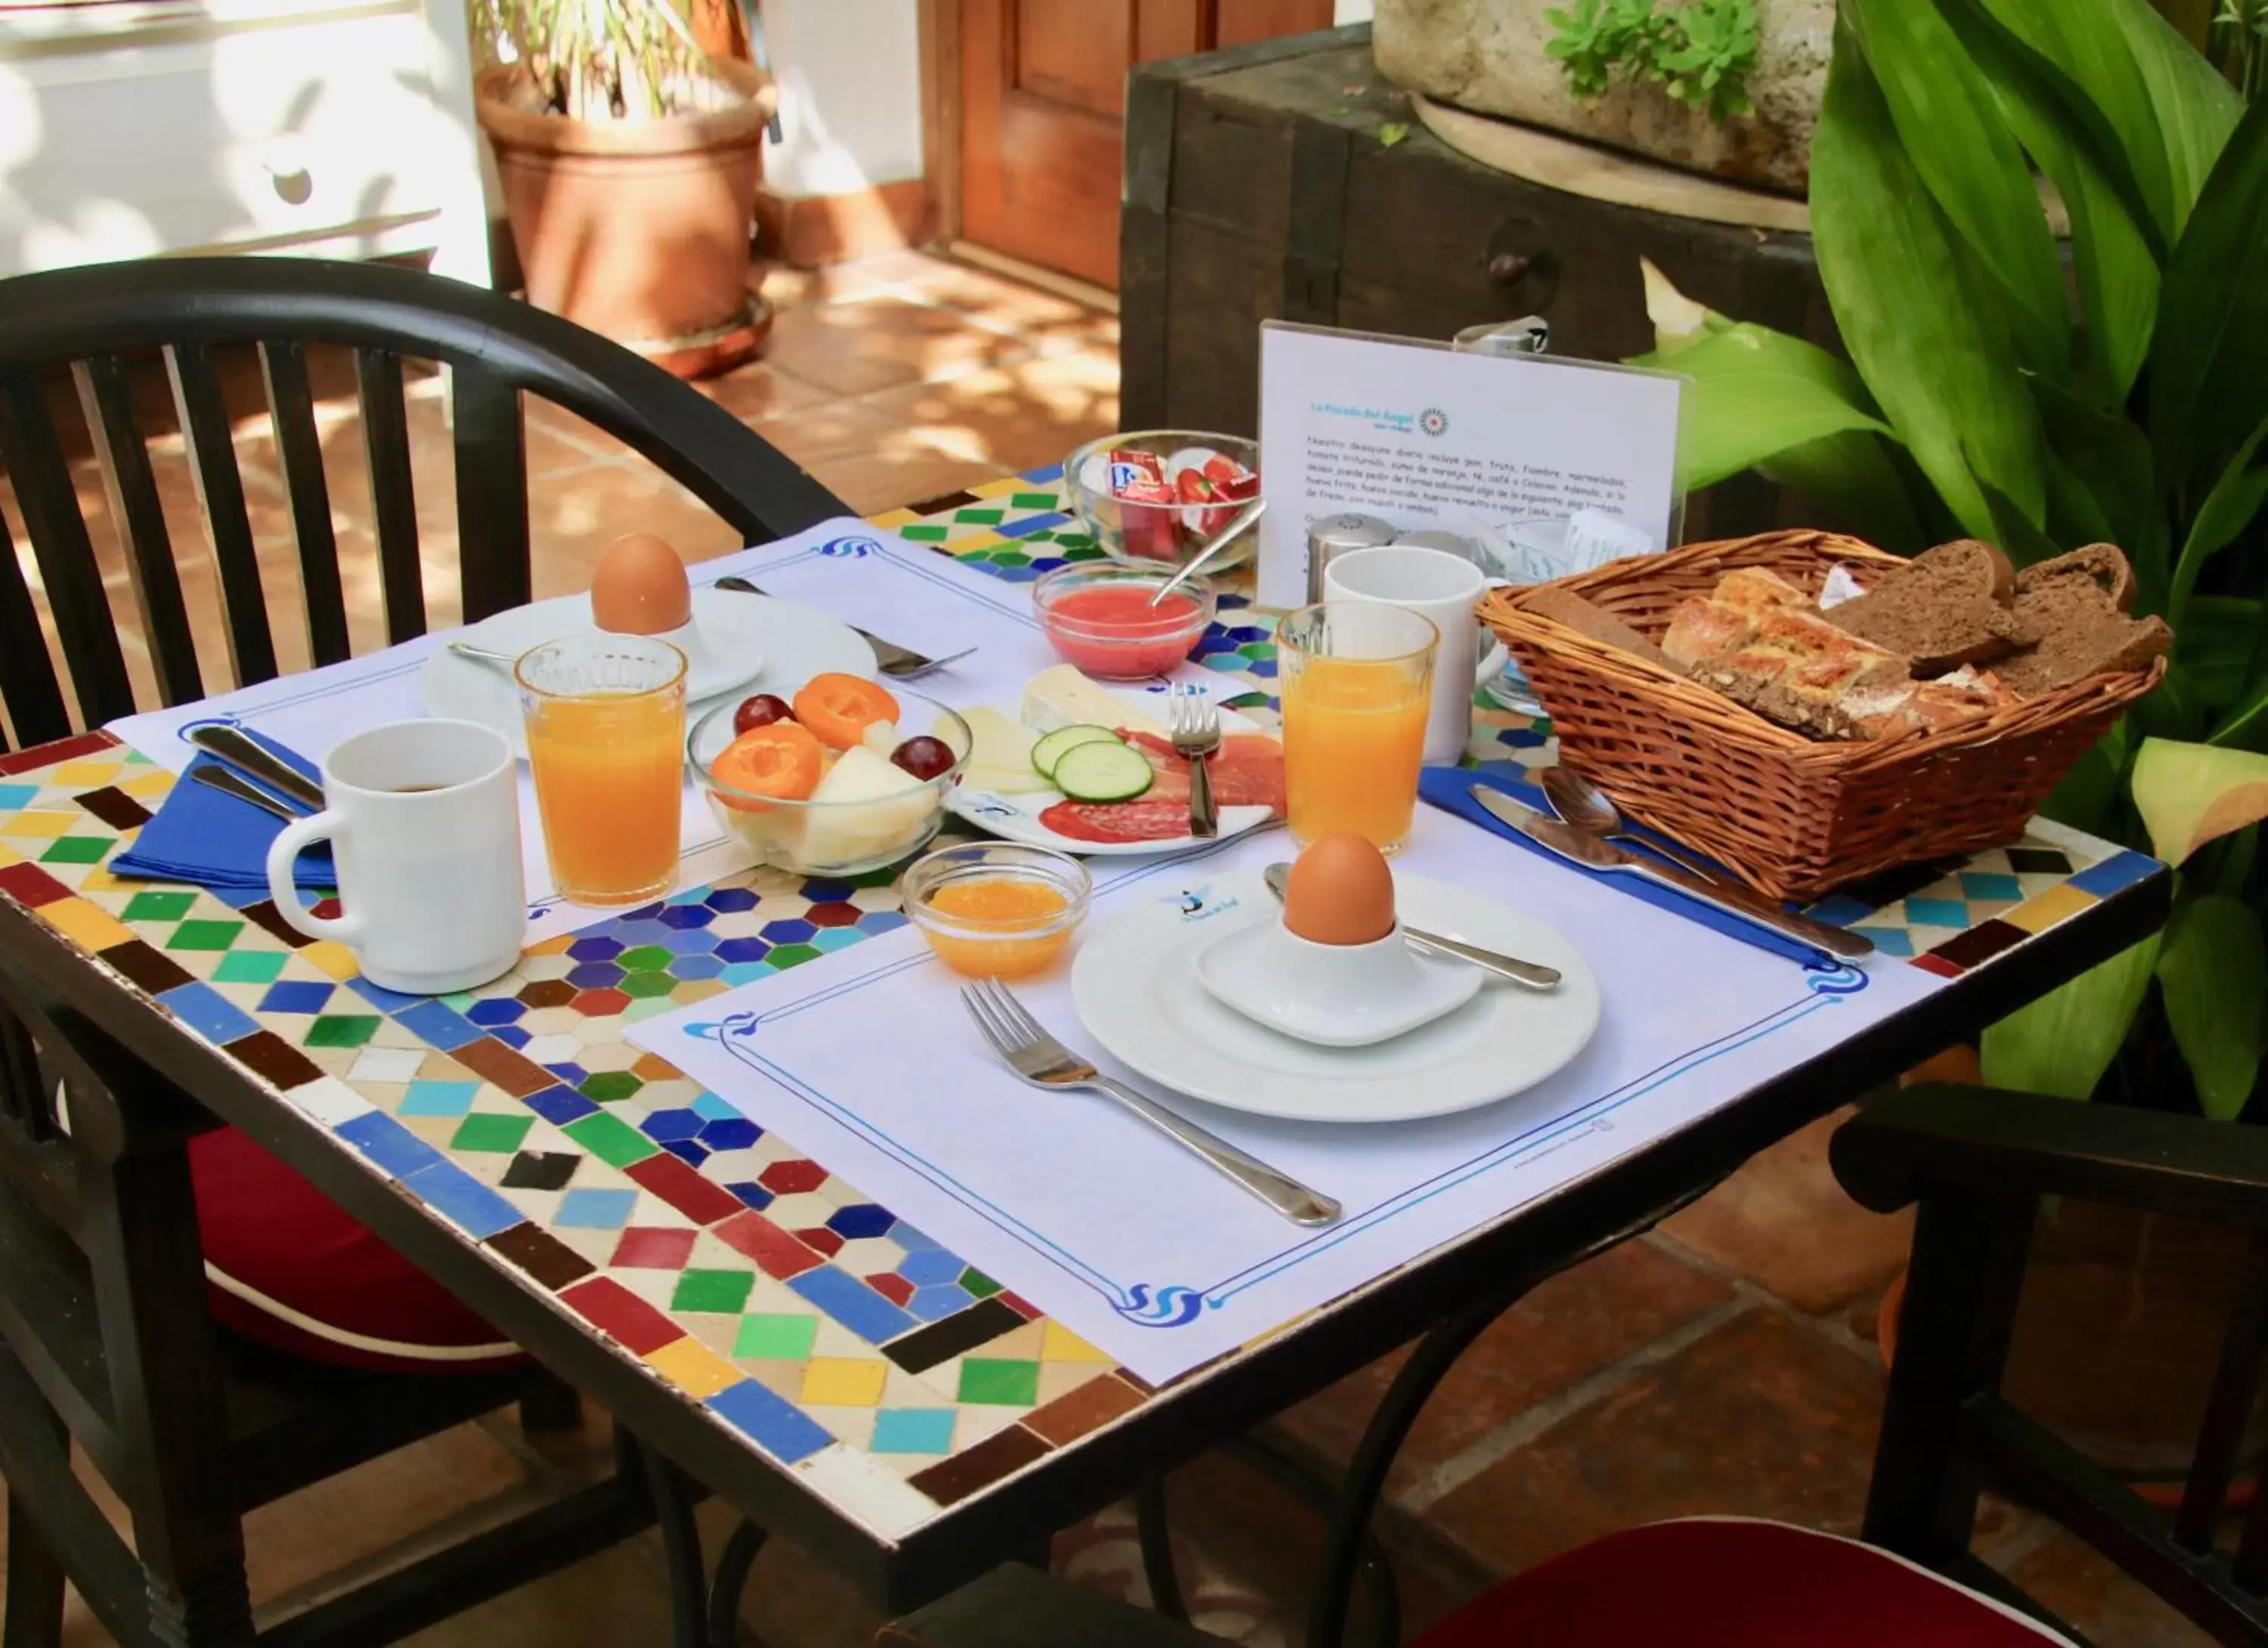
x=1103, y=772
x=1053, y=747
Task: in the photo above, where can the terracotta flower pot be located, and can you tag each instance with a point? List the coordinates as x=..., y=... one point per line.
x=638, y=229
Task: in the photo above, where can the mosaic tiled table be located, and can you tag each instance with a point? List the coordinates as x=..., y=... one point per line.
x=826, y=1365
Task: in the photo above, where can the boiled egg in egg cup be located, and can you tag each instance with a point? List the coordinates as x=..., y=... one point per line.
x=1334, y=969
x=640, y=588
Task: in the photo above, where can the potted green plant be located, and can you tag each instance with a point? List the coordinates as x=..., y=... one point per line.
x=630, y=161
x=1995, y=391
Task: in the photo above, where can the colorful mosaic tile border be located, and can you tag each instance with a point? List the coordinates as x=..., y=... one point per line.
x=892, y=1377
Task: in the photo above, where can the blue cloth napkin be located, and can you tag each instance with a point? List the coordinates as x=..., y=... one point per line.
x=1451, y=789
x=205, y=837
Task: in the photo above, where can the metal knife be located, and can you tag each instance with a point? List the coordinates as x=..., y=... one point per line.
x=1533, y=975
x=224, y=780
x=228, y=745
x=1594, y=852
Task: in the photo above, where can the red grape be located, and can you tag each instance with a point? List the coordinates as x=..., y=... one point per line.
x=761, y=711
x=923, y=757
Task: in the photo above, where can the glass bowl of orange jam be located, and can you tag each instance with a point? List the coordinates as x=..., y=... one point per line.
x=995, y=909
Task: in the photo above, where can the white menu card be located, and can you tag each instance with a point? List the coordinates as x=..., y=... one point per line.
x=1419, y=433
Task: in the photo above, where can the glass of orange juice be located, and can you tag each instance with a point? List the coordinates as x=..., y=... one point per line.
x=1357, y=679
x=605, y=740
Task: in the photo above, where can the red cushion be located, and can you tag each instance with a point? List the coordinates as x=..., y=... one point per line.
x=1732, y=1584
x=289, y=1270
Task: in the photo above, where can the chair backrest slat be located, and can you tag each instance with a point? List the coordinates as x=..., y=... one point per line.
x=300, y=451
x=220, y=495
x=131, y=486
x=27, y=679
x=2228, y=1408
x=393, y=494
x=492, y=548
x=69, y=572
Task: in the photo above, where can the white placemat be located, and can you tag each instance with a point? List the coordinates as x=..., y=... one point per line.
x=845, y=568
x=864, y=1059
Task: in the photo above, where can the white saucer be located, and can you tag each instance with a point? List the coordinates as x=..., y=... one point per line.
x=1134, y=984
x=749, y=642
x=1334, y=995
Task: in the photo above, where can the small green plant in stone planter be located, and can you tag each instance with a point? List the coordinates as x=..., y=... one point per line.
x=1987, y=396
x=1699, y=52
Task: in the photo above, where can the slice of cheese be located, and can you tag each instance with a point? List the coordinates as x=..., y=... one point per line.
x=1000, y=755
x=1062, y=697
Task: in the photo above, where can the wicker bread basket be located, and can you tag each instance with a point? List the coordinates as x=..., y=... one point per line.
x=1793, y=817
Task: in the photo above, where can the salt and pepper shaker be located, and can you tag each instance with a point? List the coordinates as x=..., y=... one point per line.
x=1336, y=534
x=1448, y=542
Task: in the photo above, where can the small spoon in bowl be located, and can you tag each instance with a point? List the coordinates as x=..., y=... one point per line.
x=1582, y=804
x=1218, y=541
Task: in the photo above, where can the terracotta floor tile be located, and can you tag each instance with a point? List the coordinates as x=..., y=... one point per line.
x=1568, y=1329
x=854, y=348
x=2095, y=1598
x=874, y=462
x=1784, y=1222
x=1762, y=1417
x=1008, y=305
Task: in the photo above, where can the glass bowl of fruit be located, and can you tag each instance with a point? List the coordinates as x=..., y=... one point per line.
x=1153, y=496
x=997, y=909
x=843, y=777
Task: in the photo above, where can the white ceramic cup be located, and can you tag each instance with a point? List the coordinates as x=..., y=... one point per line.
x=423, y=821
x=1444, y=588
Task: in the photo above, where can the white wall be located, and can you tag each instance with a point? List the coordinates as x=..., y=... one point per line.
x=1350, y=11
x=850, y=75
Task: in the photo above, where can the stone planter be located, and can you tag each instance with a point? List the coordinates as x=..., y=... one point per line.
x=1488, y=57
x=639, y=229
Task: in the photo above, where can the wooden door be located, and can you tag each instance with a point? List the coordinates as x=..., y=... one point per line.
x=1044, y=109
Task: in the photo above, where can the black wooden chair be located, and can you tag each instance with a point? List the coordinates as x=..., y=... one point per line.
x=1978, y=1163
x=105, y=1337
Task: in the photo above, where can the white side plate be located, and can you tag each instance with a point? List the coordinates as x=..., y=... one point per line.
x=1135, y=986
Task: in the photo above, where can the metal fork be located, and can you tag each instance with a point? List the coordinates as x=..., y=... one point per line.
x=1196, y=727
x=894, y=661
x=1040, y=1060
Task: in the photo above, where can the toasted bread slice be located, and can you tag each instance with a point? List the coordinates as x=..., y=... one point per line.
x=2077, y=605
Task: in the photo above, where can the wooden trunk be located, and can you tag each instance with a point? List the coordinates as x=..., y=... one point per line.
x=1260, y=185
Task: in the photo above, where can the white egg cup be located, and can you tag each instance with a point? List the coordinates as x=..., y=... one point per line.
x=1342, y=996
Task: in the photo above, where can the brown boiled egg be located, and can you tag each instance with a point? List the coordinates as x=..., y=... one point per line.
x=640, y=587
x=1340, y=892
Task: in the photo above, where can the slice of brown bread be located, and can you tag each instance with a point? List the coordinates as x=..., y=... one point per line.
x=1946, y=606
x=2104, y=565
x=2076, y=604
x=1590, y=618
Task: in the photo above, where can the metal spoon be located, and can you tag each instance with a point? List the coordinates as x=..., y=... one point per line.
x=1532, y=975
x=1581, y=803
x=1213, y=546
x=505, y=661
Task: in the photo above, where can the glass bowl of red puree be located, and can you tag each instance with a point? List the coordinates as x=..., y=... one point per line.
x=1099, y=616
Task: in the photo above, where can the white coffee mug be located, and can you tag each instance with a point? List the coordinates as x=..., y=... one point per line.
x=423, y=821
x=1443, y=587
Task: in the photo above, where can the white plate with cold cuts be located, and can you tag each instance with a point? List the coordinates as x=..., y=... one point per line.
x=744, y=644
x=1135, y=986
x=1004, y=790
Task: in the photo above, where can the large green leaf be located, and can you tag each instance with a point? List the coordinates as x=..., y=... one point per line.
x=2228, y=510
x=2089, y=793
x=1958, y=140
x=2195, y=109
x=1754, y=393
x=2102, y=63
x=2209, y=364
x=2215, y=646
x=2214, y=970
x=2244, y=725
x=2110, y=455
x=1853, y=474
x=2115, y=246
x=2063, y=1043
x=1939, y=364
x=2189, y=794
